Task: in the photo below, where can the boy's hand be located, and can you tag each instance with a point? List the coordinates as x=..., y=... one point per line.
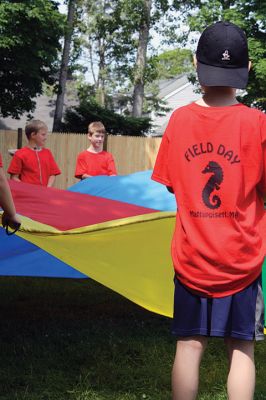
x=12, y=222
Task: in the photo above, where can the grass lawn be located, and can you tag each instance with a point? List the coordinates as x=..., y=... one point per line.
x=77, y=340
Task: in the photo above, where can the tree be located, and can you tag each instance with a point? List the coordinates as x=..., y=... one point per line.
x=77, y=119
x=64, y=66
x=109, y=44
x=250, y=15
x=29, y=45
x=139, y=73
x=151, y=13
x=172, y=63
x=100, y=28
x=117, y=36
x=167, y=65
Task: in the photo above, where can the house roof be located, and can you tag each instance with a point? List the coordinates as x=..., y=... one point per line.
x=176, y=92
x=45, y=109
x=168, y=86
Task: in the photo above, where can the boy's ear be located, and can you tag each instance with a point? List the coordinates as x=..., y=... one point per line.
x=249, y=65
x=195, y=60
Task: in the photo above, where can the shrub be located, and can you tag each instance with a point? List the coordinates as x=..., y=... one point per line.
x=79, y=117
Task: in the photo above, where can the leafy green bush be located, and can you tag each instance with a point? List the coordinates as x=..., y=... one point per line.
x=79, y=117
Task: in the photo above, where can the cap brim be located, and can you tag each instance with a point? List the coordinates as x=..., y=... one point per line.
x=217, y=76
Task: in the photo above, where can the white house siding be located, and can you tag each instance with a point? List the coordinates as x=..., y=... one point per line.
x=45, y=108
x=177, y=94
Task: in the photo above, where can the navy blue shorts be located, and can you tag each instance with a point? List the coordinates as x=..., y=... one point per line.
x=239, y=316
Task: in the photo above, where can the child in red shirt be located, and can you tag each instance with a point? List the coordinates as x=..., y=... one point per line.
x=213, y=158
x=34, y=163
x=9, y=217
x=95, y=161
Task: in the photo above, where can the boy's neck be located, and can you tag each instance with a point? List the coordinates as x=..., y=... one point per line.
x=218, y=97
x=93, y=149
x=33, y=145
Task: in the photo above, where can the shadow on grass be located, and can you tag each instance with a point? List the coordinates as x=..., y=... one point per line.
x=77, y=340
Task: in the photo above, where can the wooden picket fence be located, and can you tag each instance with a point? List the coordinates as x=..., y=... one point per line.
x=131, y=153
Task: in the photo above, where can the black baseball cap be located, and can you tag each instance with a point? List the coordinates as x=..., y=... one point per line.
x=222, y=56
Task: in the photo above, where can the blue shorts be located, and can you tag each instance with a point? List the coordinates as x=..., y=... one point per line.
x=239, y=316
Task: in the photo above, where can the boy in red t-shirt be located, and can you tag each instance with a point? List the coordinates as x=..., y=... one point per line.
x=9, y=217
x=34, y=163
x=95, y=161
x=213, y=158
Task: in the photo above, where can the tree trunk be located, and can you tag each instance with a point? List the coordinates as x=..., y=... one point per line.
x=100, y=87
x=64, y=66
x=91, y=61
x=138, y=94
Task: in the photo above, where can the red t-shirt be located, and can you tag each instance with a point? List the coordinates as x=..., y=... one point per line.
x=214, y=158
x=1, y=162
x=95, y=164
x=33, y=166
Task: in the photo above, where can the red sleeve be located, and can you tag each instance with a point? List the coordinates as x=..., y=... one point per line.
x=15, y=165
x=54, y=169
x=1, y=162
x=160, y=171
x=81, y=166
x=111, y=165
x=262, y=184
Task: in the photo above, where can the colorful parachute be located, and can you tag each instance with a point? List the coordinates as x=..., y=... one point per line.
x=137, y=188
x=73, y=235
x=115, y=232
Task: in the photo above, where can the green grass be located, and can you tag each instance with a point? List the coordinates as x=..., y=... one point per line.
x=76, y=340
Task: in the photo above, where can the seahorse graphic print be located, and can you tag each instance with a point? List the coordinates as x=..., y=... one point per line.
x=212, y=201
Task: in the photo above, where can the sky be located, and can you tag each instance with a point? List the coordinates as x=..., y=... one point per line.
x=62, y=7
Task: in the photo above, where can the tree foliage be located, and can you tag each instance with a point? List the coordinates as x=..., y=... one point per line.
x=78, y=118
x=112, y=35
x=141, y=59
x=29, y=43
x=172, y=63
x=61, y=87
x=102, y=29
